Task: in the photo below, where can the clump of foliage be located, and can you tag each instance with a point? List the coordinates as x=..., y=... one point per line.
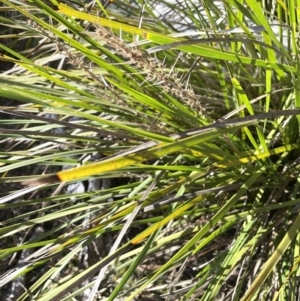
x=161, y=186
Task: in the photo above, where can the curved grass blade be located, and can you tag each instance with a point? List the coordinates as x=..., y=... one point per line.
x=152, y=149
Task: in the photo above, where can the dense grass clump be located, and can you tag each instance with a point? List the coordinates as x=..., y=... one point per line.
x=149, y=151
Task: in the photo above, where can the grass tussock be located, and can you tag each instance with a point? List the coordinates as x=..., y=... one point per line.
x=160, y=141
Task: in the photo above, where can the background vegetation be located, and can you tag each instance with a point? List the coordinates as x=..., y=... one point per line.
x=204, y=214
